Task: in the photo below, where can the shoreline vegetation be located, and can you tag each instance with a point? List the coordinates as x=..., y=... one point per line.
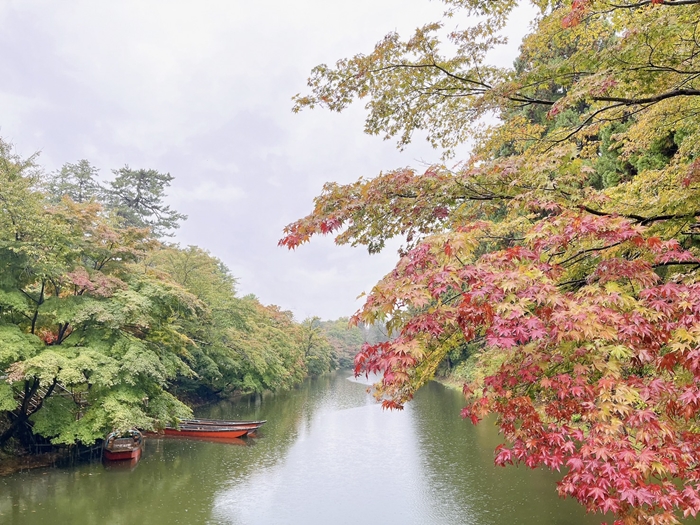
x=105, y=324
x=21, y=460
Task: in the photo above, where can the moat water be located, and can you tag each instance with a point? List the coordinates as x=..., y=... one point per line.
x=328, y=455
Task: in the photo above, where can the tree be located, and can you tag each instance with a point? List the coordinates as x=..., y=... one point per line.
x=77, y=181
x=268, y=349
x=102, y=325
x=88, y=339
x=217, y=366
x=319, y=353
x=347, y=339
x=564, y=251
x=137, y=197
x=237, y=344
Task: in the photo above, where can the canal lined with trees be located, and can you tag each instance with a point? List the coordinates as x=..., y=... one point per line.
x=328, y=454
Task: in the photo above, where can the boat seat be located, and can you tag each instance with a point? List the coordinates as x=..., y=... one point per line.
x=122, y=443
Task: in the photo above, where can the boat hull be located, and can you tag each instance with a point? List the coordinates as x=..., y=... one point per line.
x=204, y=432
x=123, y=455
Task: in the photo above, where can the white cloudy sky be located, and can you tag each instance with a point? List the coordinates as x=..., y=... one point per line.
x=202, y=90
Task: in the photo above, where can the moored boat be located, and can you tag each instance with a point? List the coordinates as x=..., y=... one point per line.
x=119, y=446
x=207, y=431
x=213, y=428
x=251, y=426
x=222, y=422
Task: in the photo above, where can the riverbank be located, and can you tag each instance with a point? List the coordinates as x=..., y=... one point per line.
x=17, y=459
x=450, y=382
x=13, y=460
x=11, y=464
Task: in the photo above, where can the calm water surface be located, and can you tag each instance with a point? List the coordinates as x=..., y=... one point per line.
x=328, y=455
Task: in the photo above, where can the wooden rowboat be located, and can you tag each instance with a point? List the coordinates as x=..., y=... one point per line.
x=213, y=428
x=222, y=422
x=120, y=446
x=205, y=431
x=250, y=426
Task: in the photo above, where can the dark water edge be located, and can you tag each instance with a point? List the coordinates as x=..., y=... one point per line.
x=328, y=455
x=48, y=456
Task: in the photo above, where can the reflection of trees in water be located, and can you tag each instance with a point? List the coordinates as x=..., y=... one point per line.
x=90, y=494
x=458, y=460
x=284, y=411
x=289, y=412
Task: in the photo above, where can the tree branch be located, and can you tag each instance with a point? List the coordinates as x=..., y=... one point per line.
x=643, y=220
x=650, y=100
x=663, y=2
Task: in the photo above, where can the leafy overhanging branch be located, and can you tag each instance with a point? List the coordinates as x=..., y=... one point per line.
x=564, y=252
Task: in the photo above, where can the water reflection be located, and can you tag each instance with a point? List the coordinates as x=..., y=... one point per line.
x=351, y=463
x=334, y=473
x=466, y=487
x=328, y=454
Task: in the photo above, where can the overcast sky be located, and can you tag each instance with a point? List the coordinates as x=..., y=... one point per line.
x=203, y=90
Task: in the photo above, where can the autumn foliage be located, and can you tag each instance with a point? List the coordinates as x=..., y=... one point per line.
x=563, y=253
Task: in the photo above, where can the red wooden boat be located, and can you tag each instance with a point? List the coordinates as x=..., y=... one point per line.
x=213, y=428
x=250, y=425
x=121, y=446
x=205, y=431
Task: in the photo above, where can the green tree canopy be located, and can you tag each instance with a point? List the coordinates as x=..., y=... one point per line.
x=137, y=197
x=103, y=326
x=75, y=314
x=319, y=353
x=78, y=181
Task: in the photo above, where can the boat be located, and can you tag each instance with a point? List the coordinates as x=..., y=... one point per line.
x=222, y=421
x=251, y=425
x=205, y=431
x=120, y=446
x=213, y=428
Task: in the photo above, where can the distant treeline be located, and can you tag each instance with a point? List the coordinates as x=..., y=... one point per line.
x=105, y=325
x=347, y=339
